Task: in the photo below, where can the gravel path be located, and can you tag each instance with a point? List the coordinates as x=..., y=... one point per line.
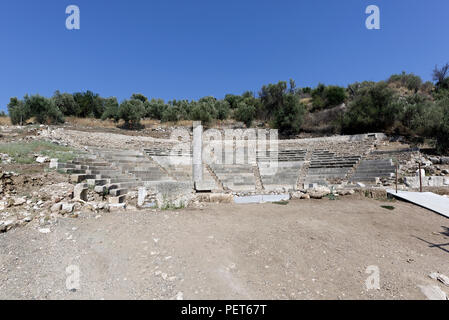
x=304, y=250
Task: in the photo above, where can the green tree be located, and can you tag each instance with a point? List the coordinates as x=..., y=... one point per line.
x=111, y=109
x=155, y=108
x=18, y=112
x=139, y=96
x=132, y=111
x=223, y=109
x=373, y=109
x=66, y=103
x=271, y=97
x=289, y=118
x=44, y=110
x=245, y=113
x=91, y=104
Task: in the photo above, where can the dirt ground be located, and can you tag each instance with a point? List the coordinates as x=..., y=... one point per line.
x=307, y=249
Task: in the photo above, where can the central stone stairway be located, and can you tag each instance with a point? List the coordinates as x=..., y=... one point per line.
x=279, y=170
x=325, y=167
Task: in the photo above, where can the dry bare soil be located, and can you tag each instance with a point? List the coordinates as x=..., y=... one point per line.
x=308, y=249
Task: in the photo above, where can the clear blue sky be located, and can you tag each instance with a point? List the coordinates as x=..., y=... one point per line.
x=194, y=48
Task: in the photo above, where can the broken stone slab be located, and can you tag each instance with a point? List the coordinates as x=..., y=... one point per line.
x=80, y=192
x=296, y=195
x=117, y=200
x=215, y=197
x=318, y=192
x=142, y=194
x=68, y=207
x=261, y=198
x=19, y=201
x=117, y=206
x=53, y=163
x=205, y=186
x=100, y=189
x=79, y=177
x=433, y=292
x=41, y=159
x=56, y=207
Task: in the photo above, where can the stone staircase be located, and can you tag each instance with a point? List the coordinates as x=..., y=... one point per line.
x=279, y=171
x=327, y=168
x=370, y=170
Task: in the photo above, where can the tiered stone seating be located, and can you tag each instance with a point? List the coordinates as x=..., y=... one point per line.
x=326, y=168
x=179, y=165
x=369, y=170
x=280, y=171
x=236, y=177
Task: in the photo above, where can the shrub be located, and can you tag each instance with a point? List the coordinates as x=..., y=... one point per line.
x=170, y=114
x=18, y=112
x=131, y=111
x=373, y=109
x=111, y=109
x=245, y=113
x=155, y=108
x=66, y=103
x=91, y=104
x=139, y=96
x=222, y=109
x=203, y=111
x=44, y=110
x=409, y=81
x=289, y=118
x=442, y=131
x=334, y=95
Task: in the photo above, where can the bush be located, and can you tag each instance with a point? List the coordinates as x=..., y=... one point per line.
x=131, y=111
x=66, y=104
x=111, y=109
x=409, y=81
x=170, y=114
x=245, y=113
x=91, y=104
x=44, y=110
x=203, y=111
x=373, y=109
x=442, y=131
x=18, y=112
x=326, y=97
x=223, y=109
x=289, y=118
x=155, y=108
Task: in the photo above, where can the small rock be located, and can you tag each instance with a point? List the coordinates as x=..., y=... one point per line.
x=19, y=201
x=56, y=207
x=80, y=192
x=41, y=159
x=68, y=207
x=44, y=230
x=361, y=185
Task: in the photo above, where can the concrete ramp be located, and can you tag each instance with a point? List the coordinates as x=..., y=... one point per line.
x=428, y=200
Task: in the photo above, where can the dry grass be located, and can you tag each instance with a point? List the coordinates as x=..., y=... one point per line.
x=5, y=121
x=91, y=122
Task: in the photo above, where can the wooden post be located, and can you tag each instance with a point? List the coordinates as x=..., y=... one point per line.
x=420, y=178
x=397, y=169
